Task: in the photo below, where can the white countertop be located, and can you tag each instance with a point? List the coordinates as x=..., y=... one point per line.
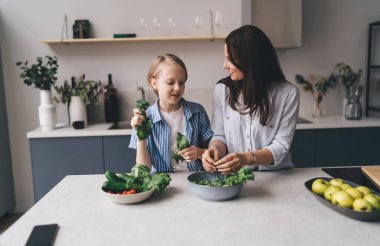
x=275, y=209
x=102, y=129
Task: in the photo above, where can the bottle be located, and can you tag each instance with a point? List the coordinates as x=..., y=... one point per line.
x=111, y=104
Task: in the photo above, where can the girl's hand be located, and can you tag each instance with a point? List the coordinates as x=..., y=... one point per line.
x=191, y=154
x=137, y=118
x=232, y=162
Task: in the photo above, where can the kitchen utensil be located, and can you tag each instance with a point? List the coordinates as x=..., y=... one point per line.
x=363, y=216
x=211, y=193
x=373, y=172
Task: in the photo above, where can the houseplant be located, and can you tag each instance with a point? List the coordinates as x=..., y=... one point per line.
x=42, y=75
x=351, y=81
x=318, y=87
x=81, y=93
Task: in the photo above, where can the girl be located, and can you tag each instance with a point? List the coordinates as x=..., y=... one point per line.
x=171, y=114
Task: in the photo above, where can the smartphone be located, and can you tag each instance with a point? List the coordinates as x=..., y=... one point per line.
x=42, y=235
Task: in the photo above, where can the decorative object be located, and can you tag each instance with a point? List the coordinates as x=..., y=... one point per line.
x=353, y=108
x=43, y=76
x=350, y=81
x=81, y=93
x=317, y=89
x=81, y=29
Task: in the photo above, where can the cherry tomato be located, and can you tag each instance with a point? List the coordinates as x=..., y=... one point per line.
x=133, y=191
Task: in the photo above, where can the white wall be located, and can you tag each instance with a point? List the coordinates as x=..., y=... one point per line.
x=333, y=31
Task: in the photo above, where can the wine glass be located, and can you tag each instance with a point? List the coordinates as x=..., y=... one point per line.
x=172, y=23
x=218, y=18
x=198, y=22
x=156, y=23
x=143, y=24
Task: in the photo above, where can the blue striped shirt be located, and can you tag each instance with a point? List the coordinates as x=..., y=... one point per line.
x=198, y=133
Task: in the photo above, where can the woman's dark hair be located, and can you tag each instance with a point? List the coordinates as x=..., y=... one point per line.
x=251, y=51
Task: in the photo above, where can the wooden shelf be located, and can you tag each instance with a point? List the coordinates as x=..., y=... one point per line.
x=143, y=39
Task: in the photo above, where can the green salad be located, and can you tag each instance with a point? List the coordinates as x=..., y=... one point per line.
x=242, y=176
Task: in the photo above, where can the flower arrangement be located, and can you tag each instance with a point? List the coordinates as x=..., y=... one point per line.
x=42, y=74
x=89, y=91
x=347, y=76
x=318, y=89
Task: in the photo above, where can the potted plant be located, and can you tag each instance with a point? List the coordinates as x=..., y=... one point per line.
x=351, y=81
x=42, y=75
x=318, y=88
x=81, y=93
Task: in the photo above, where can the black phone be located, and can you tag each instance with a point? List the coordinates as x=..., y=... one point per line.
x=42, y=235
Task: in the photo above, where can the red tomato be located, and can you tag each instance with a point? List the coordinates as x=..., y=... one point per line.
x=133, y=191
x=125, y=192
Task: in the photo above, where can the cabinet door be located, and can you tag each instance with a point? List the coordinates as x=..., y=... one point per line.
x=348, y=147
x=303, y=148
x=117, y=156
x=54, y=158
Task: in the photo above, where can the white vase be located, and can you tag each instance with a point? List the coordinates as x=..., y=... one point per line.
x=47, y=112
x=77, y=110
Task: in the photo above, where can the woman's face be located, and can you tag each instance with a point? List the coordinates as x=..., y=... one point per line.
x=235, y=73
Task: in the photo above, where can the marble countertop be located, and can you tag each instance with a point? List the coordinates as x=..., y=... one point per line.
x=275, y=209
x=104, y=129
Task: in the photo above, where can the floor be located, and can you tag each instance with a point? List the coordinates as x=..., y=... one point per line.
x=7, y=220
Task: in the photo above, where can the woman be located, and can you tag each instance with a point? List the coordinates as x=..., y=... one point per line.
x=254, y=109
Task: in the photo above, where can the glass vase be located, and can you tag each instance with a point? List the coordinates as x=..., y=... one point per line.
x=353, y=108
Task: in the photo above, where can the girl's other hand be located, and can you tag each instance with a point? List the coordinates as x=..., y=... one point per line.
x=231, y=163
x=137, y=118
x=191, y=154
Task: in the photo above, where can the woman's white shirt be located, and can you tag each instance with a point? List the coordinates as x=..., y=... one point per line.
x=241, y=133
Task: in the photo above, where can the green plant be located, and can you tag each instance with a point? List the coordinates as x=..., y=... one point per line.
x=42, y=74
x=346, y=75
x=89, y=91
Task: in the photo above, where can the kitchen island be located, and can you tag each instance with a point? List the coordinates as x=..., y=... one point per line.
x=275, y=209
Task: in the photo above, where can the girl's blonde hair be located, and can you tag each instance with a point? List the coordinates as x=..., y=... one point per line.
x=154, y=72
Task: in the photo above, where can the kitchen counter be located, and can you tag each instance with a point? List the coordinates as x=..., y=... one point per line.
x=275, y=209
x=107, y=129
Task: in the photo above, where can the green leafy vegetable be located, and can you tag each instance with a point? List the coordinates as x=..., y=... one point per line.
x=242, y=176
x=145, y=129
x=181, y=144
x=139, y=179
x=159, y=181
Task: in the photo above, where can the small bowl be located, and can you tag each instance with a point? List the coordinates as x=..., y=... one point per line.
x=129, y=199
x=211, y=193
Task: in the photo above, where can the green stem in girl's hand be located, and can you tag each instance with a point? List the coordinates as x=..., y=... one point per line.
x=145, y=129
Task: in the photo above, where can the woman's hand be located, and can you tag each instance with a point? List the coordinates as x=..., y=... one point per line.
x=192, y=153
x=137, y=118
x=232, y=162
x=208, y=159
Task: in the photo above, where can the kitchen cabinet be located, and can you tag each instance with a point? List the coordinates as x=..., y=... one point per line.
x=117, y=156
x=336, y=147
x=373, y=70
x=54, y=158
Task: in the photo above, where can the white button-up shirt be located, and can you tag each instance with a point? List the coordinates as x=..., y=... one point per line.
x=241, y=133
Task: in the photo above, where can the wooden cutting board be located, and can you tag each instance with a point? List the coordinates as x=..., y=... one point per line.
x=373, y=172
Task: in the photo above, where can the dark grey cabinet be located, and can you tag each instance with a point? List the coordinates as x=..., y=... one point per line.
x=336, y=147
x=54, y=158
x=117, y=156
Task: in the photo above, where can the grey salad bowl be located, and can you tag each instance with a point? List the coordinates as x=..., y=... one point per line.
x=211, y=193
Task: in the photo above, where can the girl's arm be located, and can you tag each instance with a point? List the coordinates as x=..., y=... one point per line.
x=142, y=154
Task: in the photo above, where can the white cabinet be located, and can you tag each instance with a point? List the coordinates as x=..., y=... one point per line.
x=281, y=20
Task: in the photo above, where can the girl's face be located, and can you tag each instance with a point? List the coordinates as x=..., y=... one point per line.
x=170, y=85
x=235, y=73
